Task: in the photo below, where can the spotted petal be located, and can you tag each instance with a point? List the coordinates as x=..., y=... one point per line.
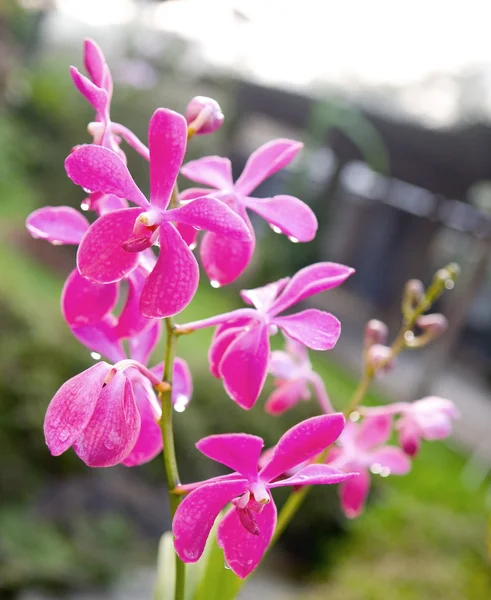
x=85, y=302
x=101, y=337
x=314, y=328
x=238, y=451
x=57, y=224
x=225, y=260
x=314, y=475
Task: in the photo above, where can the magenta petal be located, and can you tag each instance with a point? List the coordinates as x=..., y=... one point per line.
x=101, y=337
x=182, y=384
x=285, y=396
x=353, y=493
x=196, y=514
x=188, y=233
x=309, y=281
x=244, y=366
x=57, y=224
x=262, y=298
x=302, y=442
x=149, y=441
x=239, y=451
x=314, y=328
x=94, y=61
x=314, y=475
x=243, y=550
x=167, y=137
x=264, y=162
x=99, y=169
x=131, y=322
x=212, y=215
x=100, y=256
x=374, y=431
x=84, y=302
x=393, y=459
x=143, y=343
x=224, y=260
x=72, y=406
x=219, y=346
x=171, y=285
x=289, y=214
x=113, y=429
x=95, y=95
x=214, y=171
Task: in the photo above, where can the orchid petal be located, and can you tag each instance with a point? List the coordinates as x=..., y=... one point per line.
x=212, y=215
x=314, y=475
x=309, y=281
x=285, y=396
x=264, y=162
x=189, y=234
x=391, y=458
x=225, y=260
x=182, y=384
x=353, y=493
x=84, y=302
x=94, y=61
x=193, y=193
x=113, y=429
x=214, y=171
x=131, y=322
x=243, y=550
x=302, y=442
x=72, y=406
x=99, y=169
x=142, y=344
x=409, y=437
x=314, y=328
x=374, y=431
x=100, y=256
x=108, y=203
x=282, y=365
x=167, y=136
x=149, y=441
x=219, y=346
x=238, y=451
x=262, y=298
x=95, y=95
x=101, y=337
x=196, y=514
x=172, y=284
x=57, y=224
x=287, y=213
x=244, y=366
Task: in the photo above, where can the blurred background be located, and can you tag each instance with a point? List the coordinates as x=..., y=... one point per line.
x=393, y=104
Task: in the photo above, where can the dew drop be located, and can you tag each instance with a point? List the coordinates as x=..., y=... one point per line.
x=354, y=416
x=293, y=239
x=63, y=435
x=276, y=229
x=95, y=355
x=181, y=403
x=56, y=242
x=449, y=284
x=384, y=472
x=193, y=246
x=272, y=329
x=84, y=206
x=226, y=565
x=376, y=468
x=214, y=283
x=109, y=445
x=409, y=336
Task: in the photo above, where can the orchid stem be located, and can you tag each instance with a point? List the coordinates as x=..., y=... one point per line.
x=170, y=461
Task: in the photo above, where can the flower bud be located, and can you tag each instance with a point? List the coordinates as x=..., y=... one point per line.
x=435, y=324
x=376, y=332
x=414, y=292
x=203, y=115
x=378, y=358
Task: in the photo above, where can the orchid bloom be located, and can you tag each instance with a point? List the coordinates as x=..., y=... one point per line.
x=97, y=90
x=427, y=419
x=240, y=350
x=224, y=260
x=293, y=373
x=246, y=530
x=363, y=448
x=109, y=250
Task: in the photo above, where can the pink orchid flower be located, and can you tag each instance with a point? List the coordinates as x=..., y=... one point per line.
x=109, y=250
x=240, y=350
x=363, y=448
x=427, y=419
x=246, y=531
x=293, y=374
x=224, y=260
x=97, y=90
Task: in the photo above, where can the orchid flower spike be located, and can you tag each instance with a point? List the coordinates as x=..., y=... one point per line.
x=363, y=448
x=430, y=418
x=110, y=249
x=293, y=374
x=97, y=90
x=246, y=530
x=224, y=260
x=240, y=350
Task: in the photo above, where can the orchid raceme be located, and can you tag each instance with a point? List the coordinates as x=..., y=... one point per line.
x=240, y=350
x=109, y=250
x=363, y=448
x=427, y=419
x=293, y=375
x=246, y=531
x=224, y=260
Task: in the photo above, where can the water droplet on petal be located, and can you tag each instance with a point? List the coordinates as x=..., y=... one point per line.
x=225, y=564
x=63, y=435
x=193, y=246
x=95, y=355
x=214, y=284
x=449, y=284
x=84, y=206
x=384, y=472
x=56, y=242
x=376, y=468
x=181, y=403
x=276, y=229
x=272, y=329
x=293, y=239
x=409, y=336
x=87, y=191
x=109, y=445
x=354, y=416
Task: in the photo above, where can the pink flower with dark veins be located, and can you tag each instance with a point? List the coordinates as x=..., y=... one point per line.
x=110, y=249
x=246, y=530
x=294, y=375
x=240, y=350
x=224, y=260
x=363, y=448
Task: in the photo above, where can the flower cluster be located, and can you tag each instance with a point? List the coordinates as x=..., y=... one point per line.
x=114, y=300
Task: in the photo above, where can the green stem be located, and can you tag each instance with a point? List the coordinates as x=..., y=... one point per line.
x=170, y=461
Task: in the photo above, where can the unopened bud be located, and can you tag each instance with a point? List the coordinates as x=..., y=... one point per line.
x=379, y=358
x=433, y=327
x=376, y=332
x=414, y=292
x=203, y=115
